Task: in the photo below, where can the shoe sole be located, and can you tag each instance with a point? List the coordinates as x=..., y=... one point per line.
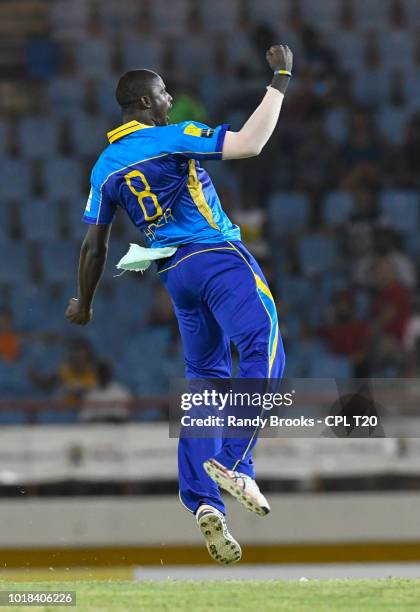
x=223, y=549
x=221, y=476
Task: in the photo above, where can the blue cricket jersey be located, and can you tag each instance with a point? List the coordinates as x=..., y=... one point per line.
x=154, y=174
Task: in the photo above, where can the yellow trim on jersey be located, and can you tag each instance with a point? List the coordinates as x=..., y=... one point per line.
x=196, y=253
x=196, y=192
x=126, y=128
x=264, y=288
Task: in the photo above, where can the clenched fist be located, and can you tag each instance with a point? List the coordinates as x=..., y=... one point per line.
x=280, y=57
x=78, y=315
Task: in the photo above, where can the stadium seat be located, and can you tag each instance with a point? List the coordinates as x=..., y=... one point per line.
x=397, y=48
x=191, y=55
x=93, y=57
x=105, y=94
x=349, y=46
x=3, y=139
x=89, y=134
x=337, y=207
x=401, y=207
x=59, y=261
x=370, y=86
x=269, y=11
x=296, y=291
x=412, y=245
x=170, y=17
x=317, y=253
x=288, y=212
x=337, y=124
x=321, y=14
x=74, y=213
x=50, y=416
x=63, y=178
x=5, y=218
x=412, y=8
x=371, y=14
x=142, y=49
x=38, y=137
x=219, y=15
x=16, y=178
x=412, y=90
x=330, y=366
x=391, y=122
x=40, y=220
x=13, y=266
x=65, y=95
x=69, y=20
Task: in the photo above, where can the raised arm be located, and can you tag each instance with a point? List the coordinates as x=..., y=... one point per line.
x=254, y=135
x=91, y=265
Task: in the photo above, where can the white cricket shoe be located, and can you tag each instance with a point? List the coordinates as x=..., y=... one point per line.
x=221, y=545
x=241, y=486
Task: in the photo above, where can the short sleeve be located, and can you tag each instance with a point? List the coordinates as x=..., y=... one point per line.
x=100, y=209
x=195, y=140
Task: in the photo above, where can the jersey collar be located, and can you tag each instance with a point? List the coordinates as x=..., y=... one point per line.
x=125, y=129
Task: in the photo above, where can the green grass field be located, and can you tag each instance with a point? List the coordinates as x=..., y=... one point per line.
x=314, y=596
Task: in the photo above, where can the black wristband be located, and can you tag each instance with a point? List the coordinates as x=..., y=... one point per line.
x=280, y=82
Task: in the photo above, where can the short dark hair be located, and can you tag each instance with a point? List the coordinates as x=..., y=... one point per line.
x=133, y=85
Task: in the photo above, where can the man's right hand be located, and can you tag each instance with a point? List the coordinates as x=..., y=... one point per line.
x=280, y=57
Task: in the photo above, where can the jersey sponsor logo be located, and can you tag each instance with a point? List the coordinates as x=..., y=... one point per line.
x=193, y=130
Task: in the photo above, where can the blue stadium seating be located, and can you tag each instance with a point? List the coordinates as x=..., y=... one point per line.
x=16, y=177
x=337, y=207
x=297, y=291
x=41, y=219
x=401, y=207
x=59, y=261
x=370, y=86
x=142, y=51
x=66, y=95
x=219, y=15
x=38, y=137
x=391, y=122
x=337, y=124
x=349, y=46
x=14, y=264
x=170, y=17
x=89, y=134
x=288, y=212
x=397, y=48
x=317, y=253
x=371, y=14
x=322, y=13
x=93, y=57
x=63, y=178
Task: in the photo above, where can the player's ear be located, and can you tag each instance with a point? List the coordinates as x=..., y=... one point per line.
x=146, y=103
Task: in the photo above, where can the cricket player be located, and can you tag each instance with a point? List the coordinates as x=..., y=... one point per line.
x=152, y=170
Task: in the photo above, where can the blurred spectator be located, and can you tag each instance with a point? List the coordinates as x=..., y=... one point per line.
x=364, y=147
x=187, y=105
x=346, y=334
x=10, y=339
x=76, y=375
x=108, y=401
x=317, y=56
x=391, y=305
x=412, y=332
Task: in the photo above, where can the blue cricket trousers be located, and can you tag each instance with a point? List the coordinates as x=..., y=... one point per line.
x=220, y=295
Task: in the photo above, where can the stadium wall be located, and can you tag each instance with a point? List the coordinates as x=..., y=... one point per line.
x=302, y=528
